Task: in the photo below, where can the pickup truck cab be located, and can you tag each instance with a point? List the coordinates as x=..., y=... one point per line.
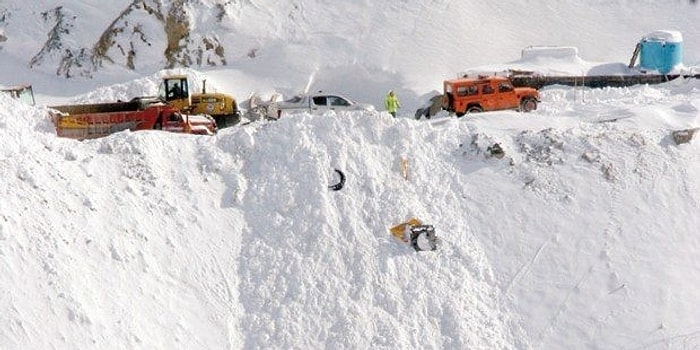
x=319, y=104
x=490, y=93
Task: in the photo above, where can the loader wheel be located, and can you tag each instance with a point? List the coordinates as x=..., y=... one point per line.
x=221, y=121
x=227, y=120
x=528, y=104
x=234, y=118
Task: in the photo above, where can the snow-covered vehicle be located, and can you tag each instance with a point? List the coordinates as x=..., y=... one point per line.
x=430, y=108
x=315, y=104
x=23, y=92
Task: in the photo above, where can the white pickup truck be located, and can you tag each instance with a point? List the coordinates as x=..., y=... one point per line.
x=317, y=104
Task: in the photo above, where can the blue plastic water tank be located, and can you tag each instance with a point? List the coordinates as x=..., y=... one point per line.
x=661, y=51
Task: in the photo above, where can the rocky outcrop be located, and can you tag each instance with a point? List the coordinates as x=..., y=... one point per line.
x=684, y=136
x=3, y=19
x=131, y=38
x=61, y=22
x=124, y=40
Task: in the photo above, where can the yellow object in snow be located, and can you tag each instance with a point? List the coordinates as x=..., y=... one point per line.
x=68, y=122
x=404, y=167
x=402, y=230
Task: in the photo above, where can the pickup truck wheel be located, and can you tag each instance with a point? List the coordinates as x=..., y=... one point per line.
x=528, y=104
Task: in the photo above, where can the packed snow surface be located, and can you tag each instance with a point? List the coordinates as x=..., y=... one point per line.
x=671, y=36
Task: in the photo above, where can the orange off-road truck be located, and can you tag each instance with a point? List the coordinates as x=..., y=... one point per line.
x=491, y=93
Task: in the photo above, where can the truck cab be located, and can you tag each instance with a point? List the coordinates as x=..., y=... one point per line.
x=174, y=121
x=487, y=93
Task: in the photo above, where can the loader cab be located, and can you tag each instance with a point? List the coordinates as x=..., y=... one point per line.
x=175, y=91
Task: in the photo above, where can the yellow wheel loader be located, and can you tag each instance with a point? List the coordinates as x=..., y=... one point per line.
x=175, y=90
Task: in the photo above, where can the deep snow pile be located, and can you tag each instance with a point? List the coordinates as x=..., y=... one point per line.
x=98, y=247
x=584, y=233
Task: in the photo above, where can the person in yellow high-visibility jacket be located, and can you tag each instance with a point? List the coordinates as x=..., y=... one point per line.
x=392, y=103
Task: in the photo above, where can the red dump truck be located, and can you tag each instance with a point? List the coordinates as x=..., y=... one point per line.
x=86, y=121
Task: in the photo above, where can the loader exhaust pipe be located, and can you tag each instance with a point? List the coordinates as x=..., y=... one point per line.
x=204, y=86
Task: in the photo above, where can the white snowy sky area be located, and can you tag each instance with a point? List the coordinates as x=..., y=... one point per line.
x=586, y=235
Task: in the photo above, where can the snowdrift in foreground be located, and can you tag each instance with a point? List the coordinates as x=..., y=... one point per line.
x=585, y=233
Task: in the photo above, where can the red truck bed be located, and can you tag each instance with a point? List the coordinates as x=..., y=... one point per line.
x=87, y=121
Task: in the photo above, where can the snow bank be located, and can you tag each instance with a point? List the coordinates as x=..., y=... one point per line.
x=236, y=241
x=584, y=233
x=671, y=36
x=537, y=53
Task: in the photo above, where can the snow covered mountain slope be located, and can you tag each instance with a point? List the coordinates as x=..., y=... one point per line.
x=583, y=236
